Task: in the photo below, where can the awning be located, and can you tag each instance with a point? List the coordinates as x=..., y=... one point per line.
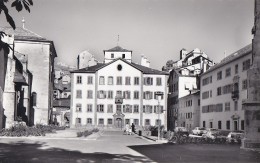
x=67, y=115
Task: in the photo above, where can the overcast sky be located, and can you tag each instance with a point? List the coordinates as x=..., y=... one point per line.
x=159, y=29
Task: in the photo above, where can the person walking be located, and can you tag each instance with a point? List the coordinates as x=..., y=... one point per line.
x=127, y=127
x=133, y=127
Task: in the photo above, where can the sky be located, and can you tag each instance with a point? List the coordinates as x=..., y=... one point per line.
x=158, y=29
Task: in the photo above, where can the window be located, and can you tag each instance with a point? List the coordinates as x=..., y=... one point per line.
x=89, y=94
x=127, y=80
x=78, y=120
x=79, y=79
x=148, y=81
x=211, y=124
x=89, y=121
x=228, y=72
x=148, y=95
x=158, y=122
x=219, y=91
x=90, y=80
x=136, y=122
x=147, y=122
x=119, y=80
x=219, y=75
x=136, y=94
x=78, y=108
x=119, y=93
x=244, y=84
x=158, y=81
x=112, y=55
x=198, y=102
x=219, y=125
x=205, y=95
x=127, y=121
x=89, y=107
x=148, y=109
x=228, y=125
x=227, y=106
x=119, y=108
x=78, y=94
x=101, y=121
x=34, y=98
x=227, y=88
x=127, y=108
x=123, y=55
x=207, y=80
x=236, y=68
x=136, y=81
x=235, y=105
x=246, y=65
x=109, y=121
x=136, y=108
x=156, y=96
x=127, y=95
x=156, y=109
x=100, y=108
x=204, y=124
x=101, y=80
x=110, y=108
x=101, y=94
x=110, y=80
x=110, y=94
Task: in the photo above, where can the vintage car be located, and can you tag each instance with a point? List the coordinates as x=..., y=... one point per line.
x=235, y=137
x=199, y=131
x=181, y=130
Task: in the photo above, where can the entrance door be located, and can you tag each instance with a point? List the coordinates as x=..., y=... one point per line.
x=235, y=125
x=118, y=123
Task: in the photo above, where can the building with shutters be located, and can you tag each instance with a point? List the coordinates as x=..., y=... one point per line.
x=223, y=90
x=94, y=90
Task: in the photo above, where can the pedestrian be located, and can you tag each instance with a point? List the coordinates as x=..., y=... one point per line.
x=133, y=127
x=127, y=127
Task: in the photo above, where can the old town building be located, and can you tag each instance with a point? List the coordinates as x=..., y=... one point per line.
x=223, y=89
x=95, y=88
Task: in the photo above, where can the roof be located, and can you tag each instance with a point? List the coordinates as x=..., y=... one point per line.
x=117, y=49
x=236, y=55
x=145, y=70
x=63, y=102
x=22, y=33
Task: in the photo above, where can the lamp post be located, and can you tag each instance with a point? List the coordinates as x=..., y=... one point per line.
x=159, y=95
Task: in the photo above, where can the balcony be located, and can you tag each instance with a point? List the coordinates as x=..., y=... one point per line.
x=235, y=95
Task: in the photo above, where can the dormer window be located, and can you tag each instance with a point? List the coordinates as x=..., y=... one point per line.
x=112, y=55
x=123, y=56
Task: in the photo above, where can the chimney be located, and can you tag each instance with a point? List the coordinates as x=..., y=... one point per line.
x=144, y=61
x=183, y=53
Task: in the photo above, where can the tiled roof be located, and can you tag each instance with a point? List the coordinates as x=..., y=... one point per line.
x=145, y=70
x=91, y=69
x=240, y=53
x=64, y=102
x=22, y=33
x=118, y=49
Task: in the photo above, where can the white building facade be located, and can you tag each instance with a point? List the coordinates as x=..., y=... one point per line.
x=223, y=88
x=94, y=90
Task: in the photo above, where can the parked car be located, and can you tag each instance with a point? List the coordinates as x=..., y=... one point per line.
x=235, y=137
x=199, y=131
x=211, y=133
x=181, y=130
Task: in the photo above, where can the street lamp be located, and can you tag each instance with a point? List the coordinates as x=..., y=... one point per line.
x=159, y=95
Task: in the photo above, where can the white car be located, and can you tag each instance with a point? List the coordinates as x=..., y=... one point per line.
x=235, y=137
x=199, y=131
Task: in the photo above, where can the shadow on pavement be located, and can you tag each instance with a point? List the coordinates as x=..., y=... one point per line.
x=197, y=153
x=39, y=152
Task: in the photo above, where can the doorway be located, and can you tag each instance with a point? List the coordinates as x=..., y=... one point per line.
x=235, y=125
x=119, y=123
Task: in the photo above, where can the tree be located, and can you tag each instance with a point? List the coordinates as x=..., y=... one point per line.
x=19, y=5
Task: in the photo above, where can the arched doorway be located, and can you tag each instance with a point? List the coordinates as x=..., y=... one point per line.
x=119, y=123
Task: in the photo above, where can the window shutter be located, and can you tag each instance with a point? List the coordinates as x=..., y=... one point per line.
x=151, y=81
x=124, y=108
x=155, y=109
x=151, y=109
x=130, y=109
x=144, y=109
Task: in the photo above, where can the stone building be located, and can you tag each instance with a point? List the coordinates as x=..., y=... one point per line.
x=183, y=79
x=94, y=88
x=40, y=53
x=223, y=89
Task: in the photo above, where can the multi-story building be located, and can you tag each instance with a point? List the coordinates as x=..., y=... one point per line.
x=223, y=88
x=94, y=90
x=189, y=110
x=40, y=53
x=183, y=79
